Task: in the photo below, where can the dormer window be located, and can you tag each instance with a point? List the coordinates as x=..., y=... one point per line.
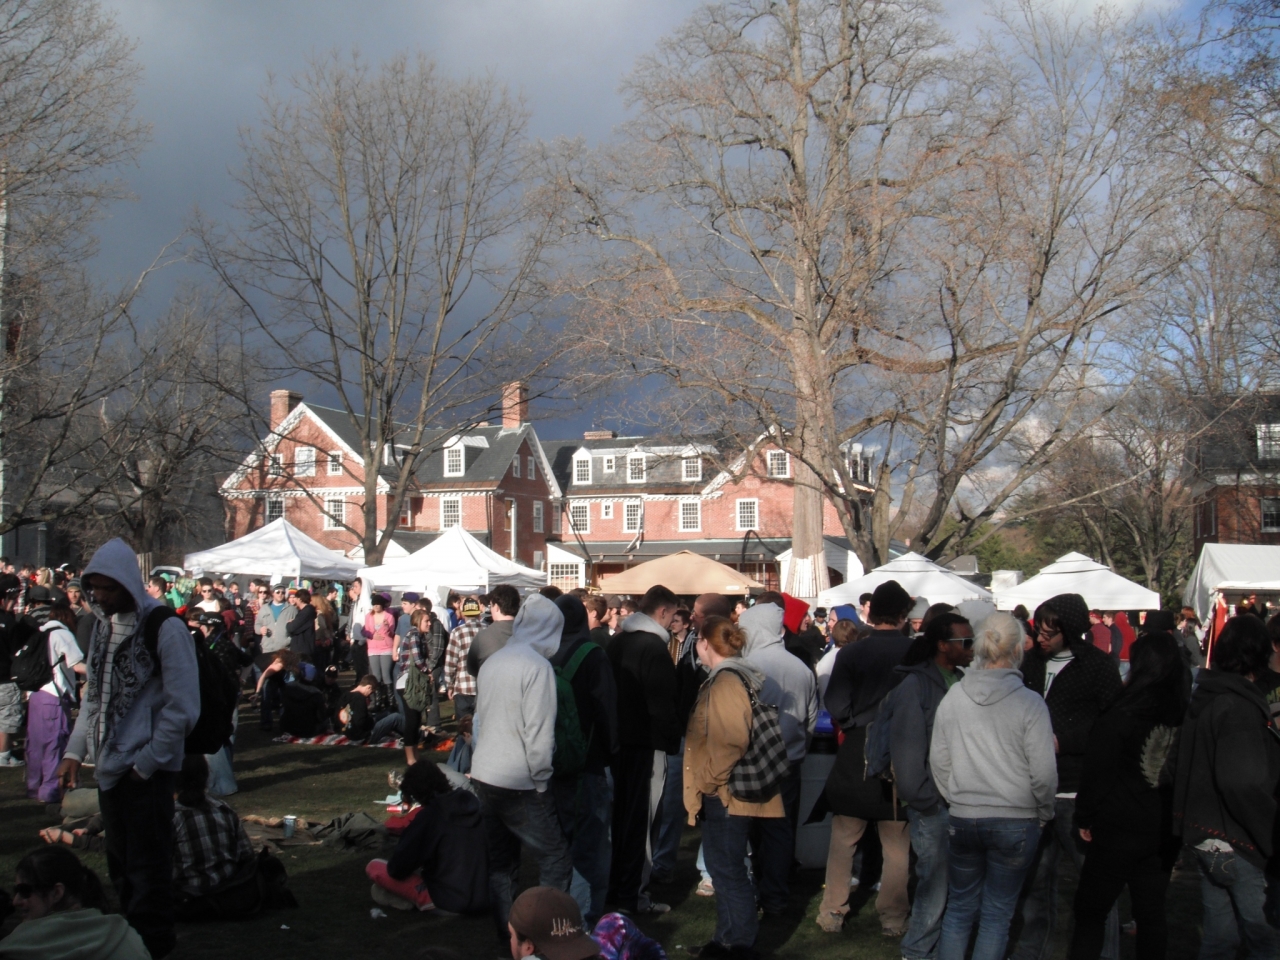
x=610, y=464
x=1269, y=441
x=636, y=472
x=779, y=464
x=582, y=468
x=455, y=463
x=691, y=468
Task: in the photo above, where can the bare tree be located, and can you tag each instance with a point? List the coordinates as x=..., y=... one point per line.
x=390, y=245
x=829, y=233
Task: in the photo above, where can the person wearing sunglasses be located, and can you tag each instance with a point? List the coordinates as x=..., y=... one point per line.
x=59, y=900
x=933, y=665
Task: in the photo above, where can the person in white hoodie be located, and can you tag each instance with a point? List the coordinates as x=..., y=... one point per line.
x=992, y=759
x=140, y=701
x=792, y=688
x=514, y=735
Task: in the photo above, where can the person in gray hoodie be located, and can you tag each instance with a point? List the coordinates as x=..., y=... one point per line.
x=515, y=736
x=992, y=759
x=932, y=667
x=140, y=701
x=790, y=686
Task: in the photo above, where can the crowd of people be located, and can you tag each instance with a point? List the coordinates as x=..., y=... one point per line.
x=590, y=731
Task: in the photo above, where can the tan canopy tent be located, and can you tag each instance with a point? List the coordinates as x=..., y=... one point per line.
x=685, y=573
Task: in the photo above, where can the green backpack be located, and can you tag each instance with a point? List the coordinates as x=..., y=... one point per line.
x=570, y=757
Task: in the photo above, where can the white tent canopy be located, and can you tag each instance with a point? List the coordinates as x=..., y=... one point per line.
x=918, y=575
x=1231, y=567
x=454, y=560
x=839, y=558
x=1075, y=573
x=278, y=550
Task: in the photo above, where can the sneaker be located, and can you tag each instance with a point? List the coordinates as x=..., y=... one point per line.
x=897, y=933
x=706, y=888
x=651, y=908
x=386, y=898
x=831, y=921
x=11, y=761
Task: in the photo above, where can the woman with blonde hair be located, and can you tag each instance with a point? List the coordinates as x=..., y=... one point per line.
x=717, y=738
x=992, y=759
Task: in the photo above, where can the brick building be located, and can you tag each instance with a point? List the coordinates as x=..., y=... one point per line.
x=494, y=481
x=630, y=499
x=1235, y=471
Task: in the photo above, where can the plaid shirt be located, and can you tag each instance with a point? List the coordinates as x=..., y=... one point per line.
x=412, y=652
x=456, y=676
x=209, y=846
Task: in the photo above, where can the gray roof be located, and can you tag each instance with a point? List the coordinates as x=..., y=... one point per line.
x=664, y=471
x=482, y=464
x=1229, y=437
x=725, y=550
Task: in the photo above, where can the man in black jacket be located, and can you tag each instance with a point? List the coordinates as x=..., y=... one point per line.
x=582, y=800
x=302, y=628
x=1078, y=682
x=648, y=729
x=863, y=674
x=1224, y=803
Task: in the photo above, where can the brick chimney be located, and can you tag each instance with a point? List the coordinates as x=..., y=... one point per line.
x=515, y=405
x=600, y=435
x=282, y=404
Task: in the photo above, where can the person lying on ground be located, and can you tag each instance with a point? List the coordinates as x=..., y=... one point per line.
x=89, y=837
x=546, y=922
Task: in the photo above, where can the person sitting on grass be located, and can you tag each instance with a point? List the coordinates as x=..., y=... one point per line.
x=546, y=922
x=60, y=900
x=440, y=861
x=214, y=866
x=353, y=717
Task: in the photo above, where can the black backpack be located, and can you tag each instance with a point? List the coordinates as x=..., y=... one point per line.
x=31, y=667
x=218, y=690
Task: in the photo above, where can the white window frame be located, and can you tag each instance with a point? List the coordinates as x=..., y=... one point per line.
x=532, y=471
x=786, y=464
x=1268, y=441
x=275, y=502
x=578, y=473
x=515, y=466
x=556, y=520
x=610, y=464
x=640, y=458
x=691, y=468
x=335, y=520
x=538, y=522
x=406, y=514
x=566, y=576
x=685, y=525
x=737, y=514
x=275, y=465
x=580, y=524
x=304, y=461
x=452, y=468
x=336, y=461
x=445, y=501
x=632, y=522
x=1274, y=526
x=606, y=510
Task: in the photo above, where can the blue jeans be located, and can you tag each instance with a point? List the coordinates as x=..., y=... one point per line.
x=1040, y=899
x=585, y=807
x=724, y=842
x=671, y=818
x=987, y=860
x=775, y=845
x=512, y=818
x=464, y=705
x=1234, y=892
x=929, y=841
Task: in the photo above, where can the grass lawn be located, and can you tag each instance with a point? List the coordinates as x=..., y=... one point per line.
x=319, y=783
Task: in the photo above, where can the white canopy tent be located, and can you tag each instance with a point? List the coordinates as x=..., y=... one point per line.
x=1101, y=588
x=278, y=550
x=454, y=560
x=839, y=558
x=918, y=575
x=1231, y=568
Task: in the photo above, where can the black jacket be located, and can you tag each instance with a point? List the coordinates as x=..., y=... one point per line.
x=594, y=691
x=302, y=631
x=862, y=674
x=1228, y=765
x=918, y=695
x=646, y=679
x=361, y=723
x=1081, y=691
x=446, y=842
x=302, y=709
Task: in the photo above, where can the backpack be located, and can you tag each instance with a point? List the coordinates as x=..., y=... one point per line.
x=31, y=666
x=570, y=757
x=758, y=775
x=218, y=690
x=875, y=752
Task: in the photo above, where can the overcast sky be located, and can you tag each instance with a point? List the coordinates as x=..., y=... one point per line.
x=205, y=63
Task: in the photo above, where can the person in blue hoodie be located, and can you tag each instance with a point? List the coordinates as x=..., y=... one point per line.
x=138, y=705
x=515, y=736
x=932, y=666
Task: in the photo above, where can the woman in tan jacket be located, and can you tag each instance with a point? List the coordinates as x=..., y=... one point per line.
x=718, y=735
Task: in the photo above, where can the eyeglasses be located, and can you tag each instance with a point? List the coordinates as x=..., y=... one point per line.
x=1048, y=630
x=967, y=641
